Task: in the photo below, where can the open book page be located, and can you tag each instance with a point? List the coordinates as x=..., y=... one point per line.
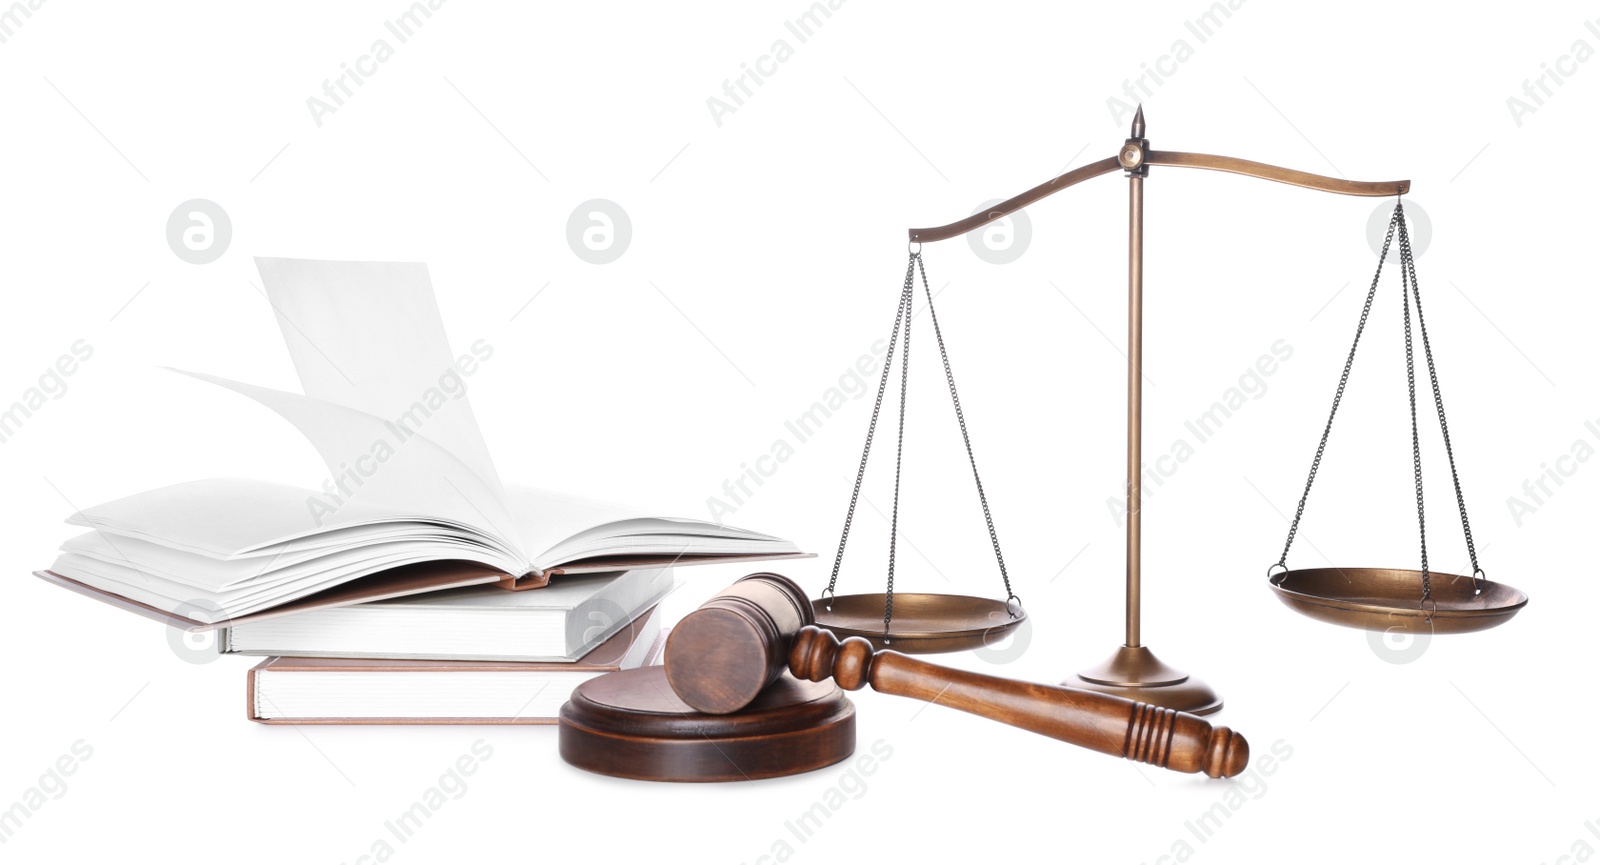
x=368, y=335
x=267, y=571
x=403, y=574
x=213, y=549
x=545, y=518
x=561, y=528
x=380, y=465
x=671, y=542
x=219, y=517
x=243, y=599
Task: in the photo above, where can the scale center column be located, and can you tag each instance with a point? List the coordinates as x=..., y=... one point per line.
x=1133, y=671
x=1135, y=395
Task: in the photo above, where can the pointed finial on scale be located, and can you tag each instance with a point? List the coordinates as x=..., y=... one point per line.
x=1138, y=122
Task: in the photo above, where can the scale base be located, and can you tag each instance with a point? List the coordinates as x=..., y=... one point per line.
x=1135, y=673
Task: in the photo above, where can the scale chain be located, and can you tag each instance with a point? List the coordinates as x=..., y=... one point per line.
x=1338, y=394
x=961, y=419
x=1408, y=260
x=901, y=335
x=1411, y=391
x=899, y=451
x=900, y=318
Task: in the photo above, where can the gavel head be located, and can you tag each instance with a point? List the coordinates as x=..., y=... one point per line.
x=723, y=654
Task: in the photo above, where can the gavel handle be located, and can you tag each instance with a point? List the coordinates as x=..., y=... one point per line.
x=1100, y=722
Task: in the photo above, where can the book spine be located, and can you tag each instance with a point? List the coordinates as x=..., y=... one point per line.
x=250, y=712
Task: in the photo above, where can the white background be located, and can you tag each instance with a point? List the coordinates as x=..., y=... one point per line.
x=766, y=255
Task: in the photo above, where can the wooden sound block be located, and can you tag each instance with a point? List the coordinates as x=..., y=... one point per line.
x=630, y=724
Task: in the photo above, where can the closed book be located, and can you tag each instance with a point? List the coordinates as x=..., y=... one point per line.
x=560, y=623
x=407, y=691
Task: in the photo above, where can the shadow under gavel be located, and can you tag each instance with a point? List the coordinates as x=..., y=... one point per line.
x=721, y=656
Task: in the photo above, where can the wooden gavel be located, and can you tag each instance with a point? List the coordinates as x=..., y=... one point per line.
x=721, y=656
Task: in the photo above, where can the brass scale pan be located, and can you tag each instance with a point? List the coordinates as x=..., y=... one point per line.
x=1385, y=599
x=923, y=623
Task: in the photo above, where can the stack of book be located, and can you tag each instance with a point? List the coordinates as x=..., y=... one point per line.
x=414, y=586
x=390, y=620
x=460, y=656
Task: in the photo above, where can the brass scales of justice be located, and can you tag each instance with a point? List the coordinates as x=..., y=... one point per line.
x=1381, y=599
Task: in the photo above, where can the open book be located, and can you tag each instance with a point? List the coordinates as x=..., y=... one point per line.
x=212, y=551
x=412, y=503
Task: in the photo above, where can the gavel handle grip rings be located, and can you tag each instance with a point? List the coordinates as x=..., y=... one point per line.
x=1100, y=722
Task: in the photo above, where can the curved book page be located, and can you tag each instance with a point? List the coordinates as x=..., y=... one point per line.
x=385, y=466
x=368, y=335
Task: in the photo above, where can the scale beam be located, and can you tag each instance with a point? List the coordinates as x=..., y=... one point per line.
x=1010, y=206
x=1174, y=158
x=1304, y=179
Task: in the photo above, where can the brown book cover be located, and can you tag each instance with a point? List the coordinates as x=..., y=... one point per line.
x=607, y=657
